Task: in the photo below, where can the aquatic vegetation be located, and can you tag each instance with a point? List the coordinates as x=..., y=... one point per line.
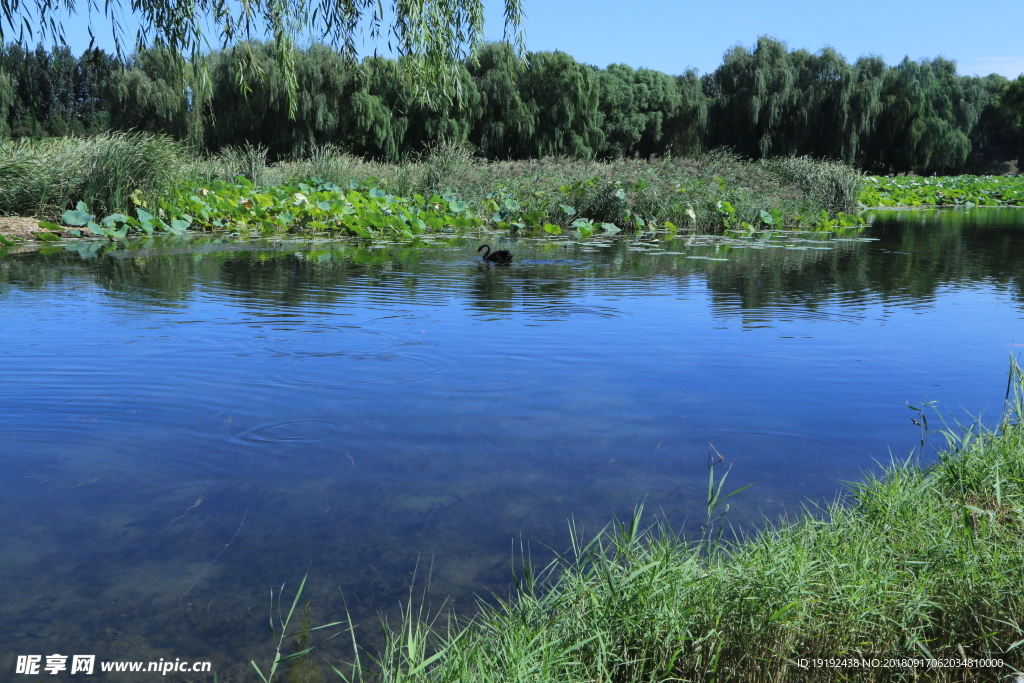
x=598, y=204
x=918, y=565
x=243, y=208
x=961, y=190
x=318, y=208
x=116, y=225
x=302, y=669
x=708, y=193
x=834, y=185
x=300, y=646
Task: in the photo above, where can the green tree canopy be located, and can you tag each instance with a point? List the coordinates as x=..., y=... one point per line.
x=325, y=80
x=562, y=96
x=637, y=105
x=916, y=116
x=52, y=91
x=927, y=113
x=432, y=35
x=771, y=101
x=1011, y=114
x=152, y=94
x=505, y=123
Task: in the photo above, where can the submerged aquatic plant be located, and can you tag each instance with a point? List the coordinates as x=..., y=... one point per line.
x=916, y=566
x=279, y=632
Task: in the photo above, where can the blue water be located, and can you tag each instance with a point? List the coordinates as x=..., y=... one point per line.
x=188, y=423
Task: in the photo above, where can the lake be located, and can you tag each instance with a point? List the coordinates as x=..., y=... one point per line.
x=188, y=423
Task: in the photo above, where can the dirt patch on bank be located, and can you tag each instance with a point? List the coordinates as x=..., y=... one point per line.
x=28, y=228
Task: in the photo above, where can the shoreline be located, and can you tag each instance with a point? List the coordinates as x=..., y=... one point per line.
x=27, y=229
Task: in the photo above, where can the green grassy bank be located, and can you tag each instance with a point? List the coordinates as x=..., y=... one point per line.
x=118, y=174
x=917, y=575
x=117, y=184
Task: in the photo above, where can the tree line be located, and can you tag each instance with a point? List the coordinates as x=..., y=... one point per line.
x=919, y=116
x=53, y=92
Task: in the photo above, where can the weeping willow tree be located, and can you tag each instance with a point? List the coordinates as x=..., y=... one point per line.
x=864, y=106
x=157, y=93
x=388, y=121
x=369, y=108
x=1011, y=117
x=505, y=123
x=989, y=138
x=755, y=98
x=432, y=35
x=771, y=102
x=448, y=120
x=562, y=97
x=6, y=98
x=375, y=130
x=838, y=102
x=384, y=118
x=546, y=105
x=767, y=101
x=636, y=106
x=688, y=126
x=927, y=114
x=325, y=80
x=916, y=116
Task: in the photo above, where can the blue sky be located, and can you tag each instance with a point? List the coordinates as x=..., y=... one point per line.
x=983, y=37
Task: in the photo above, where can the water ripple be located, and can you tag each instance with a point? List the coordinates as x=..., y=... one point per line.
x=292, y=431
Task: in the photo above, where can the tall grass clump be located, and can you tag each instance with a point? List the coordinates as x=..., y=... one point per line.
x=834, y=185
x=43, y=178
x=447, y=165
x=248, y=160
x=915, y=564
x=251, y=161
x=326, y=163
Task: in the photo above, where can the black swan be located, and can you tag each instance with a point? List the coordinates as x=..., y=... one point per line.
x=500, y=256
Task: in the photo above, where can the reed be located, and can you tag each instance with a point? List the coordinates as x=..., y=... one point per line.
x=834, y=185
x=43, y=178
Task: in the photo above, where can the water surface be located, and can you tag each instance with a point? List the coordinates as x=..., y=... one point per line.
x=188, y=423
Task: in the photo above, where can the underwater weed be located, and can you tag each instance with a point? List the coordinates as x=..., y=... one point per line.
x=279, y=632
x=915, y=564
x=302, y=669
